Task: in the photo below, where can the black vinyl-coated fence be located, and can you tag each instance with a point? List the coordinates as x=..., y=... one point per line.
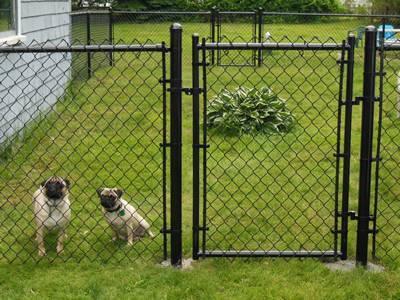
x=259, y=26
x=119, y=123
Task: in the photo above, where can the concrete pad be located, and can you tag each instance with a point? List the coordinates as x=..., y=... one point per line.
x=350, y=265
x=186, y=264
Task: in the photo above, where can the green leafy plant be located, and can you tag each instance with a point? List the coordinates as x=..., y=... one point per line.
x=249, y=110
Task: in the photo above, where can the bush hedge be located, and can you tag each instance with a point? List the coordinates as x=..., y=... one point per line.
x=325, y=6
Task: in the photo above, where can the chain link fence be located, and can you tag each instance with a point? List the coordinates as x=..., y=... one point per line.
x=91, y=28
x=6, y=19
x=138, y=27
x=387, y=205
x=101, y=132
x=94, y=113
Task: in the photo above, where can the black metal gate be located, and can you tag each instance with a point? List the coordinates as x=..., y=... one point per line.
x=276, y=194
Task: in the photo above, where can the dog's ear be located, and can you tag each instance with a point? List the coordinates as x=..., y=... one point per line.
x=68, y=183
x=99, y=191
x=119, y=192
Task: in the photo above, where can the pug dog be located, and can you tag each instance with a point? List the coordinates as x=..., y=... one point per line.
x=52, y=211
x=122, y=217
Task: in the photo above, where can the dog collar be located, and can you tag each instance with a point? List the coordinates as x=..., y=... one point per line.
x=115, y=209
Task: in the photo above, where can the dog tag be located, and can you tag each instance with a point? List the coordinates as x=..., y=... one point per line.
x=121, y=213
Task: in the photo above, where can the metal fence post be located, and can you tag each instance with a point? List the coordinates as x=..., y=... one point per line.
x=176, y=143
x=260, y=12
x=218, y=25
x=196, y=142
x=110, y=35
x=347, y=145
x=254, y=37
x=88, y=41
x=368, y=99
x=213, y=20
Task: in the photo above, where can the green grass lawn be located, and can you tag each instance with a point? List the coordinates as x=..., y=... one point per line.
x=277, y=191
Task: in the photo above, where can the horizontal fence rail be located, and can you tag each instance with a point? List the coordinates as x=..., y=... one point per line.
x=85, y=48
x=273, y=46
x=244, y=253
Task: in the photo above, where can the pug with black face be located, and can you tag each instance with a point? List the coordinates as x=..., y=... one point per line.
x=122, y=217
x=52, y=211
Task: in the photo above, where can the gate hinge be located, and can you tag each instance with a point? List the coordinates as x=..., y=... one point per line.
x=165, y=145
x=201, y=228
x=380, y=73
x=192, y=91
x=361, y=98
x=353, y=216
x=169, y=230
x=376, y=159
x=201, y=146
x=339, y=61
x=201, y=64
x=187, y=91
x=356, y=101
x=164, y=81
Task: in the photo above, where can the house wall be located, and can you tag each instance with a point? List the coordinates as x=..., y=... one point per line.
x=33, y=82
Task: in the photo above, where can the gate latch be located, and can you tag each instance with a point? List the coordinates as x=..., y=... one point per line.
x=353, y=215
x=191, y=91
x=188, y=91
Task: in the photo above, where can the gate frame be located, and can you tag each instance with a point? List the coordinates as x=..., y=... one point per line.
x=346, y=48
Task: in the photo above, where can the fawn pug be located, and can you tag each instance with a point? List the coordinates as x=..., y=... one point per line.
x=52, y=211
x=123, y=218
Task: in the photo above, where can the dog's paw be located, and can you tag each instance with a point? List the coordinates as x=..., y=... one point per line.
x=60, y=249
x=151, y=234
x=114, y=238
x=42, y=253
x=130, y=244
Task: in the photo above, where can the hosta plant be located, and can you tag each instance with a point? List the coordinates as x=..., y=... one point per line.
x=249, y=110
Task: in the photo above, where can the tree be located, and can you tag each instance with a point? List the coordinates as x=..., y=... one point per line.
x=391, y=7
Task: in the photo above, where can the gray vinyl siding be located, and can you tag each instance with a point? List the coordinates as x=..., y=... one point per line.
x=32, y=83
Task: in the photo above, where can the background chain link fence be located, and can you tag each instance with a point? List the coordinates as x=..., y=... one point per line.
x=91, y=28
x=6, y=19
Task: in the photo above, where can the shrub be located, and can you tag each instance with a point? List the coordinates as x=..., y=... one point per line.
x=235, y=5
x=249, y=111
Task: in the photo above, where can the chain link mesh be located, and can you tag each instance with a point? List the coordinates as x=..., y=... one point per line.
x=388, y=220
x=91, y=28
x=275, y=191
x=99, y=132
x=96, y=117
